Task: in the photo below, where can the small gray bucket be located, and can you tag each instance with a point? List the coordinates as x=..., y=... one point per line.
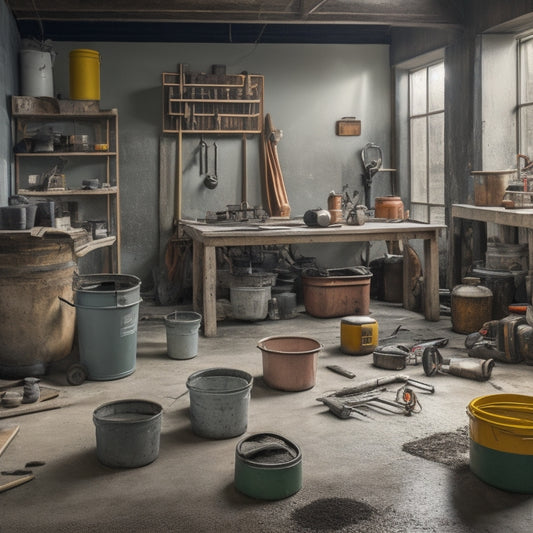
x=128, y=432
x=182, y=334
x=219, y=402
x=107, y=314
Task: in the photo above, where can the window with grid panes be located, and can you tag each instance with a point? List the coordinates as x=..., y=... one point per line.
x=426, y=142
x=525, y=97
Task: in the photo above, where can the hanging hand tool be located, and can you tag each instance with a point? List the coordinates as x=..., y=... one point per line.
x=210, y=180
x=372, y=157
x=203, y=156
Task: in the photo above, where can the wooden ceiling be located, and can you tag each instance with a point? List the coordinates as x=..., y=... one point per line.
x=95, y=19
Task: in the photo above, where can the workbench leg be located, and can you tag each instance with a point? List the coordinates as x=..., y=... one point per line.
x=529, y=277
x=197, y=259
x=431, y=279
x=405, y=279
x=210, y=291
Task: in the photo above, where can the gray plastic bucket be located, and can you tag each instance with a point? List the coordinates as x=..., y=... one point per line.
x=219, y=402
x=182, y=334
x=107, y=313
x=127, y=432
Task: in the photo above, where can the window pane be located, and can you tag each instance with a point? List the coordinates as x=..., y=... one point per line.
x=526, y=130
x=526, y=60
x=436, y=87
x=419, y=212
x=437, y=215
x=418, y=160
x=418, y=92
x=436, y=159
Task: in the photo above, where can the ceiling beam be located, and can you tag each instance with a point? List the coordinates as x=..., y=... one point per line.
x=411, y=13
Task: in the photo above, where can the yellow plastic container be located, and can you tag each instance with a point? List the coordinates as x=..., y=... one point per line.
x=359, y=335
x=84, y=74
x=501, y=441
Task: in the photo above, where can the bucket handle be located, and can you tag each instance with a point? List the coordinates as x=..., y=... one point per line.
x=66, y=301
x=106, y=307
x=271, y=446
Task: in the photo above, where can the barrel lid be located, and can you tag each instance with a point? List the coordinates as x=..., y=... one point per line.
x=358, y=320
x=268, y=449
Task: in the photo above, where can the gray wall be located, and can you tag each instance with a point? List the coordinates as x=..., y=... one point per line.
x=307, y=88
x=9, y=43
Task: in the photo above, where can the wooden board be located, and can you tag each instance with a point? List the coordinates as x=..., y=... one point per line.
x=45, y=403
x=6, y=436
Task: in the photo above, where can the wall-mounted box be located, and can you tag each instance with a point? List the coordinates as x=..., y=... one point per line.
x=348, y=126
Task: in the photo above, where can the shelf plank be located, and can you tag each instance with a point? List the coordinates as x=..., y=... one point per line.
x=71, y=192
x=101, y=153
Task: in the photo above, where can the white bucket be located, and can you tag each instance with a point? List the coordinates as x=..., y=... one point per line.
x=36, y=77
x=250, y=303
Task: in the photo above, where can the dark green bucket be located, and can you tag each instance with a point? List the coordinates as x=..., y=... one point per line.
x=268, y=467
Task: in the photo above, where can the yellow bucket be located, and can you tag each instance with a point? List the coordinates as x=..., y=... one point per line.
x=501, y=440
x=84, y=74
x=359, y=335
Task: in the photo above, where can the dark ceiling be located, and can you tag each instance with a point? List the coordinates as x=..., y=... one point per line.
x=230, y=21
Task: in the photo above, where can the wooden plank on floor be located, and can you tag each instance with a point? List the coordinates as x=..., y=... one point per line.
x=6, y=436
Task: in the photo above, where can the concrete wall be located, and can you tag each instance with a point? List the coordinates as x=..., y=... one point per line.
x=9, y=43
x=307, y=88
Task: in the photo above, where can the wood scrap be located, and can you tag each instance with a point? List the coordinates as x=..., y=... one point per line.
x=6, y=436
x=16, y=483
x=45, y=403
x=277, y=202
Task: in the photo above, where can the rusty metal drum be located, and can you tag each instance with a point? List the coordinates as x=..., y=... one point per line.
x=36, y=328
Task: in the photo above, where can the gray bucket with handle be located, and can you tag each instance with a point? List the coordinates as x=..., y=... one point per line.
x=219, y=402
x=107, y=314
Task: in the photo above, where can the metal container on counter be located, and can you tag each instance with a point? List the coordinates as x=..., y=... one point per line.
x=389, y=207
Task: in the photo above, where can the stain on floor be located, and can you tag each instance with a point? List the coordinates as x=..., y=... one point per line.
x=448, y=448
x=332, y=513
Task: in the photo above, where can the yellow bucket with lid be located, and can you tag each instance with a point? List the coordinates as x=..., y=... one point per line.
x=84, y=74
x=501, y=440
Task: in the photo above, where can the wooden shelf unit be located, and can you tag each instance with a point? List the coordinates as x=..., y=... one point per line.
x=102, y=128
x=195, y=102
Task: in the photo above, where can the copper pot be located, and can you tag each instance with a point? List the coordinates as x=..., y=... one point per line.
x=389, y=207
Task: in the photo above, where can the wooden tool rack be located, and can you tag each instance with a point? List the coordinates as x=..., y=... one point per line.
x=194, y=102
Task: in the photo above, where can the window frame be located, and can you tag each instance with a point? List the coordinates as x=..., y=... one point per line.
x=429, y=204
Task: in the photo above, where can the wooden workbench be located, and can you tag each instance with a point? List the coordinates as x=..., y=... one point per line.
x=516, y=218
x=207, y=237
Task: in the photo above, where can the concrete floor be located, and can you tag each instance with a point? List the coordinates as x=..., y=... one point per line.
x=190, y=485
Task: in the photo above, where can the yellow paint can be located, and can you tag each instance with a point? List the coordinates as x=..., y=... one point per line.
x=84, y=74
x=359, y=335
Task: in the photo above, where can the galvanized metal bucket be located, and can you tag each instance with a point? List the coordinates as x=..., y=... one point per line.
x=219, y=402
x=182, y=334
x=128, y=432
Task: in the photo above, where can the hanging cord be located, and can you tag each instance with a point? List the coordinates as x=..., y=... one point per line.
x=41, y=28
